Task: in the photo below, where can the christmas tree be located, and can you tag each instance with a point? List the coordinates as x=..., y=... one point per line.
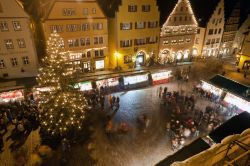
x=63, y=107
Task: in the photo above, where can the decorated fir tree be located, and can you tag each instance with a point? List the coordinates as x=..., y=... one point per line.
x=63, y=107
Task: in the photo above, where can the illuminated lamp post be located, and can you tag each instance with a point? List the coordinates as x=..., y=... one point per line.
x=117, y=54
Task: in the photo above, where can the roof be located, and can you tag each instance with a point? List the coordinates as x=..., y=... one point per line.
x=193, y=148
x=230, y=85
x=165, y=7
x=230, y=5
x=235, y=125
x=203, y=10
x=12, y=8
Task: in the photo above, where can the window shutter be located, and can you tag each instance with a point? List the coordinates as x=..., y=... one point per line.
x=144, y=25
x=120, y=43
x=130, y=43
x=131, y=24
x=135, y=25
x=120, y=26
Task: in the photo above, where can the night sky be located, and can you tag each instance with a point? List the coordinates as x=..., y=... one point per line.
x=166, y=6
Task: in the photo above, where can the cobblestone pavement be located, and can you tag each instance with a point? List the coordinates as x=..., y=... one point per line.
x=135, y=148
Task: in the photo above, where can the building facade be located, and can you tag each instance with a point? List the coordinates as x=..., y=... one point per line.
x=83, y=26
x=232, y=19
x=214, y=31
x=133, y=32
x=18, y=56
x=178, y=34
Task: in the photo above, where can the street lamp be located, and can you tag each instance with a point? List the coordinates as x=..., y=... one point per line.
x=117, y=54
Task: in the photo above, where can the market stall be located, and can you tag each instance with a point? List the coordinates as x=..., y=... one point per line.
x=37, y=91
x=136, y=81
x=161, y=77
x=234, y=100
x=84, y=86
x=211, y=88
x=11, y=96
x=108, y=83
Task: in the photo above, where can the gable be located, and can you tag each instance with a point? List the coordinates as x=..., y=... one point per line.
x=10, y=8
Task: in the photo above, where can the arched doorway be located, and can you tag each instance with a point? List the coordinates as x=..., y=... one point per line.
x=179, y=56
x=166, y=57
x=140, y=58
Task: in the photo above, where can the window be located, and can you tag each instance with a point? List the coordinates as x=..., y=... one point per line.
x=9, y=44
x=198, y=31
x=180, y=18
x=2, y=65
x=165, y=42
x=93, y=10
x=152, y=40
x=215, y=31
x=140, y=25
x=174, y=19
x=141, y=41
x=146, y=8
x=25, y=60
x=185, y=18
x=17, y=25
x=196, y=41
x=88, y=54
x=220, y=20
x=85, y=11
x=72, y=27
x=210, y=32
x=101, y=53
x=217, y=40
x=95, y=40
x=100, y=40
x=219, y=11
x=213, y=41
x=21, y=43
x=73, y=42
x=188, y=40
x=96, y=53
x=132, y=8
x=85, y=27
x=208, y=41
x=173, y=41
x=56, y=28
x=69, y=12
x=219, y=31
x=181, y=9
x=4, y=26
x=127, y=58
x=14, y=62
x=87, y=41
x=126, y=26
x=153, y=24
x=125, y=43
x=214, y=21
x=97, y=26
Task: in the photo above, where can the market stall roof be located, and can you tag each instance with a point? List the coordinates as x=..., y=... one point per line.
x=27, y=82
x=231, y=86
x=235, y=125
x=193, y=148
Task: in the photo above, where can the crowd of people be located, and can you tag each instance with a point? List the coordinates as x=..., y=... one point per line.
x=23, y=116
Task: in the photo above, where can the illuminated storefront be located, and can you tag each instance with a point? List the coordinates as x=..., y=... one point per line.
x=135, y=79
x=84, y=86
x=110, y=82
x=161, y=77
x=237, y=101
x=210, y=88
x=11, y=96
x=99, y=64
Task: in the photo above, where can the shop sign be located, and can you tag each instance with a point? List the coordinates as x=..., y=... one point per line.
x=237, y=101
x=161, y=75
x=84, y=86
x=135, y=79
x=11, y=96
x=208, y=87
x=99, y=64
x=110, y=82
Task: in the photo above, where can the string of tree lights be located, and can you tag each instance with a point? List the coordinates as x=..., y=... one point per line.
x=63, y=106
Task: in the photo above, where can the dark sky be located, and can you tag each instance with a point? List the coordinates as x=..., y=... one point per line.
x=166, y=6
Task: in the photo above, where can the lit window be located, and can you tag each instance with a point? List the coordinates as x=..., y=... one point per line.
x=165, y=42
x=4, y=26
x=94, y=11
x=25, y=60
x=2, y=65
x=126, y=26
x=140, y=25
x=73, y=42
x=21, y=43
x=69, y=12
x=132, y=8
x=56, y=28
x=127, y=58
x=14, y=62
x=72, y=27
x=152, y=24
x=188, y=40
x=9, y=44
x=146, y=8
x=17, y=25
x=97, y=26
x=125, y=43
x=85, y=27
